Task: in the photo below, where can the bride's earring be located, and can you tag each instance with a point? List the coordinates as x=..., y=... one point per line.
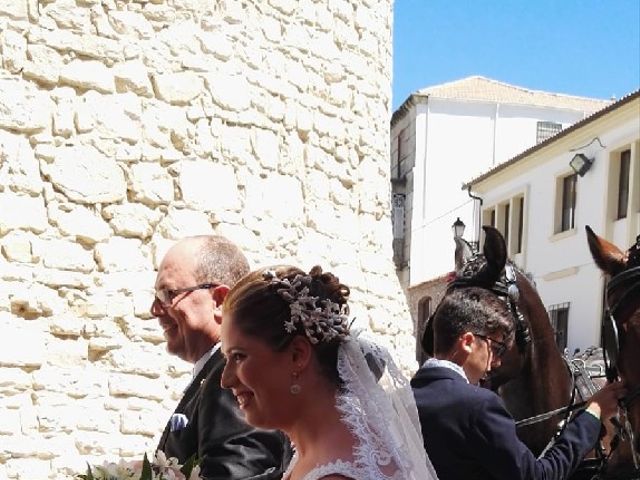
x=295, y=387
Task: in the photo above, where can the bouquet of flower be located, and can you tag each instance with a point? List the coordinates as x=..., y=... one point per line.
x=162, y=468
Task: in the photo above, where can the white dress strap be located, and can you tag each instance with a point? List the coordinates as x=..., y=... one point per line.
x=346, y=469
x=337, y=467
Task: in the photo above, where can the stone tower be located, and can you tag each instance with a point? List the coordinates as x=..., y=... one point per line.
x=128, y=124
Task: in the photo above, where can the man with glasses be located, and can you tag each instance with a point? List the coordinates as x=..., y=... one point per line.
x=192, y=282
x=467, y=430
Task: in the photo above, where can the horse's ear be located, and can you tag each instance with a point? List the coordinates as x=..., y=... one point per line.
x=495, y=250
x=609, y=258
x=463, y=252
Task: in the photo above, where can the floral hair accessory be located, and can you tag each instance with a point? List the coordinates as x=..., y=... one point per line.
x=321, y=320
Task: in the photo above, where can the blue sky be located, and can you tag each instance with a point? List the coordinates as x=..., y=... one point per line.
x=580, y=47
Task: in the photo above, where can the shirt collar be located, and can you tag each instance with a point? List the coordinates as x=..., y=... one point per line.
x=436, y=362
x=199, y=365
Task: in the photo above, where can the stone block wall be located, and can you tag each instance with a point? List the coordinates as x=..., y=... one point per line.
x=128, y=124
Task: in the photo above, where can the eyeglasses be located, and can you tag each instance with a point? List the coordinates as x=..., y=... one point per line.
x=497, y=347
x=166, y=296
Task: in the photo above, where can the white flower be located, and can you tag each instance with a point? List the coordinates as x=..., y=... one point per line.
x=163, y=468
x=195, y=473
x=161, y=459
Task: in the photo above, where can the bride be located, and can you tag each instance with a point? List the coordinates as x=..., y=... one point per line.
x=293, y=365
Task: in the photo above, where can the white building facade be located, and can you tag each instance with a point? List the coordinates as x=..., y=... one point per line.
x=542, y=206
x=442, y=136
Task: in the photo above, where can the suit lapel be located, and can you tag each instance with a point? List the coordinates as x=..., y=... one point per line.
x=190, y=393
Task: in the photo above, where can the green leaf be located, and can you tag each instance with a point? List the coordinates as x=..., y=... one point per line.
x=191, y=462
x=88, y=476
x=147, y=473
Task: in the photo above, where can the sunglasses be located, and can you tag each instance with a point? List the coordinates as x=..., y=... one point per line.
x=166, y=296
x=497, y=347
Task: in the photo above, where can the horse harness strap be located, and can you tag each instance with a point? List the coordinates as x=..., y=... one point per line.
x=622, y=286
x=580, y=374
x=583, y=378
x=547, y=415
x=624, y=429
x=619, y=282
x=581, y=382
x=584, y=385
x=631, y=396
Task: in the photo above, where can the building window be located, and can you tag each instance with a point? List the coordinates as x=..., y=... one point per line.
x=559, y=316
x=547, y=130
x=489, y=216
x=520, y=219
x=509, y=221
x=623, y=183
x=568, y=211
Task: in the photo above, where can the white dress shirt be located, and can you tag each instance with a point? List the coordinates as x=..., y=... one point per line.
x=436, y=362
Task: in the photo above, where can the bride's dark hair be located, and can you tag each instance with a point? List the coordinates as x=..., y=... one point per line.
x=259, y=310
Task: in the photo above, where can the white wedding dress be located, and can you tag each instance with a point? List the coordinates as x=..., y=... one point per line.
x=339, y=467
x=378, y=407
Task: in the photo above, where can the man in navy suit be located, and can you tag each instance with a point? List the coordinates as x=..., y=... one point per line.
x=467, y=430
x=193, y=280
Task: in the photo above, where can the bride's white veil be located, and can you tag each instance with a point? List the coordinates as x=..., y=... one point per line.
x=378, y=406
x=375, y=399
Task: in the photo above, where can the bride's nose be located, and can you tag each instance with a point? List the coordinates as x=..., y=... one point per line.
x=228, y=377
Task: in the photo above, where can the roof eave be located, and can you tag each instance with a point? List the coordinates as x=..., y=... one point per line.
x=576, y=126
x=412, y=100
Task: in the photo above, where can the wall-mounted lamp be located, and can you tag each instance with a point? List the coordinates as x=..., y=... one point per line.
x=580, y=163
x=458, y=228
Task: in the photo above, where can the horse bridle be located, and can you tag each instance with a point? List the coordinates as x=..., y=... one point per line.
x=612, y=338
x=612, y=341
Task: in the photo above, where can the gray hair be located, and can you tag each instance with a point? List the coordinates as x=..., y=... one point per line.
x=219, y=260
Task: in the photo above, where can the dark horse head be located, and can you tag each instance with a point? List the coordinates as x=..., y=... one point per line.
x=533, y=377
x=621, y=341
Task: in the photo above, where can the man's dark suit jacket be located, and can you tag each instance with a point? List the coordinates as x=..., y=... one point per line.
x=469, y=434
x=227, y=448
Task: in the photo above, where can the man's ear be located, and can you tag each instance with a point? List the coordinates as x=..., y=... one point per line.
x=466, y=341
x=218, y=294
x=301, y=351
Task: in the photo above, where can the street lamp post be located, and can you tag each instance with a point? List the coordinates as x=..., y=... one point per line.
x=458, y=231
x=458, y=228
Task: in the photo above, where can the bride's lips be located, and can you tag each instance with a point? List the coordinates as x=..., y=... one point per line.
x=243, y=399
